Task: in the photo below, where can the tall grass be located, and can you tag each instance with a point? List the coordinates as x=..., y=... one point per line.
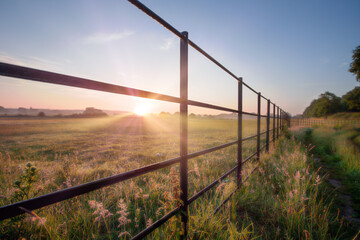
x=283, y=199
x=340, y=153
x=287, y=199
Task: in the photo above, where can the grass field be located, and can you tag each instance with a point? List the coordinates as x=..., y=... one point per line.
x=39, y=156
x=284, y=199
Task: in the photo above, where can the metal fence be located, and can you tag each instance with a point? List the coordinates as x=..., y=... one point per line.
x=280, y=118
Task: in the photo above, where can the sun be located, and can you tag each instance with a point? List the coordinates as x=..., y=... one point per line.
x=142, y=110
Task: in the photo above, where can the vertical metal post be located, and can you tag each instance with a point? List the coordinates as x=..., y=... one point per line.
x=277, y=129
x=184, y=132
x=281, y=119
x=268, y=126
x=239, y=148
x=258, y=128
x=274, y=119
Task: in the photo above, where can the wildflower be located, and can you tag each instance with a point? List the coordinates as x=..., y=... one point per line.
x=67, y=183
x=149, y=222
x=317, y=180
x=291, y=194
x=196, y=170
x=100, y=212
x=123, y=213
x=137, y=195
x=158, y=212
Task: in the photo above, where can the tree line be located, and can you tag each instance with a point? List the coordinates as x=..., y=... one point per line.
x=328, y=103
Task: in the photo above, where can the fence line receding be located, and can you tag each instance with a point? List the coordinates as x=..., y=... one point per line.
x=278, y=116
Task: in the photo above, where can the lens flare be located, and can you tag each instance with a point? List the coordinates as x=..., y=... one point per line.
x=142, y=110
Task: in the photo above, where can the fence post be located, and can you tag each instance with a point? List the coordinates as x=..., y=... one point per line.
x=274, y=119
x=258, y=127
x=268, y=126
x=184, y=132
x=239, y=149
x=277, y=129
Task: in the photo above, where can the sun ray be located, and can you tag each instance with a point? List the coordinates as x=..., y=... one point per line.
x=142, y=109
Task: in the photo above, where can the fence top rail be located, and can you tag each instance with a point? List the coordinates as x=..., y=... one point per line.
x=37, y=75
x=172, y=29
x=26, y=73
x=264, y=97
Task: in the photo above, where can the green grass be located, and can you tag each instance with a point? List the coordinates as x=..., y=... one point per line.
x=340, y=153
x=284, y=199
x=289, y=200
x=345, y=115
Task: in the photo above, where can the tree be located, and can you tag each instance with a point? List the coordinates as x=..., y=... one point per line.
x=41, y=114
x=352, y=99
x=327, y=103
x=355, y=65
x=93, y=112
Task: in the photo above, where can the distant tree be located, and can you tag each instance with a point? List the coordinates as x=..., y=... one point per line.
x=328, y=103
x=93, y=112
x=352, y=99
x=355, y=65
x=41, y=114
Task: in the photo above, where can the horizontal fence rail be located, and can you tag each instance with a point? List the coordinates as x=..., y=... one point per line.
x=279, y=119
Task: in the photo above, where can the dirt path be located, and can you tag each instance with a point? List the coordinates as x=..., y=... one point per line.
x=347, y=210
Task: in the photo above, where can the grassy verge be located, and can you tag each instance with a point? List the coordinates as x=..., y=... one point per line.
x=289, y=200
x=340, y=154
x=284, y=199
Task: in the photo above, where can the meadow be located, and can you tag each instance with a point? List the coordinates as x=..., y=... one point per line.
x=285, y=199
x=66, y=152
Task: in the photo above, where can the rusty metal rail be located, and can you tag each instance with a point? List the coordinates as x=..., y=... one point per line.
x=279, y=117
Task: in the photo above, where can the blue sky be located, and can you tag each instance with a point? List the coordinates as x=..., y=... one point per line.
x=291, y=51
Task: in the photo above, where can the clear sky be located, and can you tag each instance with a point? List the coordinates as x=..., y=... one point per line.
x=290, y=51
